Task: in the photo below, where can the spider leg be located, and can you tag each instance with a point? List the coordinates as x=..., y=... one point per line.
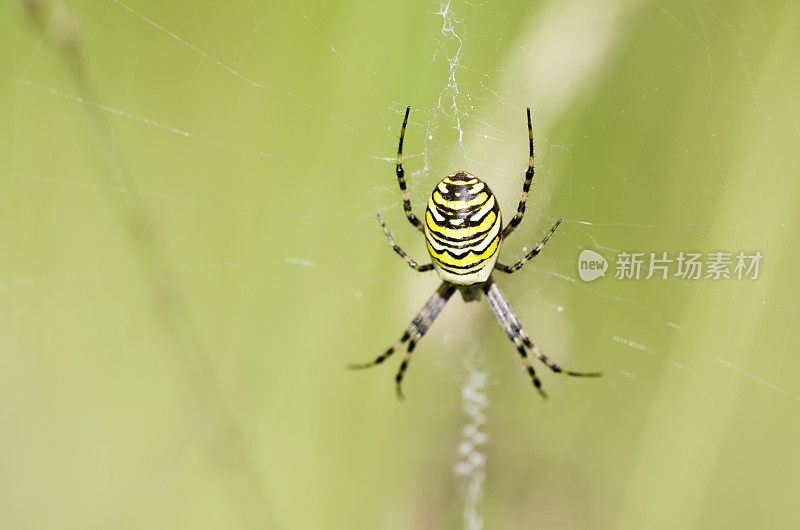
x=411, y=263
x=526, y=186
x=420, y=324
x=401, y=178
x=518, y=265
x=496, y=298
x=434, y=306
x=501, y=307
x=385, y=355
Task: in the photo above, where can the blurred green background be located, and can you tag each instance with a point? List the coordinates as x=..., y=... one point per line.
x=190, y=258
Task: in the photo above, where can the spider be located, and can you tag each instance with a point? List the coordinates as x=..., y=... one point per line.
x=463, y=232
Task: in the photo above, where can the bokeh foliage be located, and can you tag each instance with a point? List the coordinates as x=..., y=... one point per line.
x=190, y=258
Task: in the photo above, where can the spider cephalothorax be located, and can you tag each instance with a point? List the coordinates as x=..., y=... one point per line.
x=463, y=232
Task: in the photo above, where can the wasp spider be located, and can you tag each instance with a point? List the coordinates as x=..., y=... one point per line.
x=463, y=232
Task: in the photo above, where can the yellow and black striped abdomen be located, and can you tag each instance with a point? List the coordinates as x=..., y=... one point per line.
x=462, y=229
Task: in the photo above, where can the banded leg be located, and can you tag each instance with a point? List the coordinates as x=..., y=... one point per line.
x=393, y=348
x=518, y=265
x=422, y=321
x=490, y=289
x=434, y=306
x=411, y=263
x=401, y=178
x=526, y=186
x=497, y=299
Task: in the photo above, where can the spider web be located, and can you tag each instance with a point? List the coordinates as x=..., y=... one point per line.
x=245, y=152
